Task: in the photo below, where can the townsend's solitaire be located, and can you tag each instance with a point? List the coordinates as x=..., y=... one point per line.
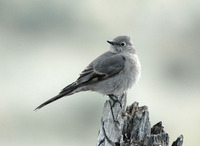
x=112, y=73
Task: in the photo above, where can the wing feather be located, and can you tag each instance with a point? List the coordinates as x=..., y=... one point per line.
x=102, y=69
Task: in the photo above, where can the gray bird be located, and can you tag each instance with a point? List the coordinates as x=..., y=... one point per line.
x=112, y=73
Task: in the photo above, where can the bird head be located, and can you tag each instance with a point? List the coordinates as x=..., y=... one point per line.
x=122, y=44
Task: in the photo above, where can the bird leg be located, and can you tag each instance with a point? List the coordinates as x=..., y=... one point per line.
x=112, y=105
x=115, y=100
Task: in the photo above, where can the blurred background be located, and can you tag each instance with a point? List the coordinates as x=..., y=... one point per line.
x=44, y=45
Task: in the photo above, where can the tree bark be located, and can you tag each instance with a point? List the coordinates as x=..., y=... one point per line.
x=130, y=126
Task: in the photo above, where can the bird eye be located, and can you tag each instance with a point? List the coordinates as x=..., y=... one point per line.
x=123, y=44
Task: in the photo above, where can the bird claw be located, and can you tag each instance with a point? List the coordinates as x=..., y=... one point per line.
x=115, y=100
x=112, y=105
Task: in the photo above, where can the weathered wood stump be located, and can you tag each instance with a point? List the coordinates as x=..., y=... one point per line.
x=130, y=126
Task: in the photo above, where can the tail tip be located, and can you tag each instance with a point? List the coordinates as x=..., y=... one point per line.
x=37, y=108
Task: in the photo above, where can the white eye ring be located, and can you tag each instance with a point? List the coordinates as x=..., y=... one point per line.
x=123, y=44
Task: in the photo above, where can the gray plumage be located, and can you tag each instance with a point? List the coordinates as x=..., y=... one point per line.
x=112, y=73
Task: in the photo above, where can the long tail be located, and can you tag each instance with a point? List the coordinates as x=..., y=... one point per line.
x=65, y=92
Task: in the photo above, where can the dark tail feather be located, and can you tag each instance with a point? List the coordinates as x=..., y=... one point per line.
x=66, y=91
x=50, y=100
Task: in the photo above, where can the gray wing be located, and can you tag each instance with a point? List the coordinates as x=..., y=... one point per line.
x=105, y=66
x=102, y=68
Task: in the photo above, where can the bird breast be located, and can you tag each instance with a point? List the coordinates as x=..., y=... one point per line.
x=132, y=69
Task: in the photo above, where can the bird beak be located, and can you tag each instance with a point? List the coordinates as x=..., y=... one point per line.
x=111, y=42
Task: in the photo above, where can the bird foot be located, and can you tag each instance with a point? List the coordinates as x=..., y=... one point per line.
x=112, y=105
x=115, y=100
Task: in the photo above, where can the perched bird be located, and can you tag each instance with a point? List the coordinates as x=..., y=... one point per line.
x=112, y=73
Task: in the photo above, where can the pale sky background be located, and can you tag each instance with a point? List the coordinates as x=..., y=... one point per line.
x=44, y=45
